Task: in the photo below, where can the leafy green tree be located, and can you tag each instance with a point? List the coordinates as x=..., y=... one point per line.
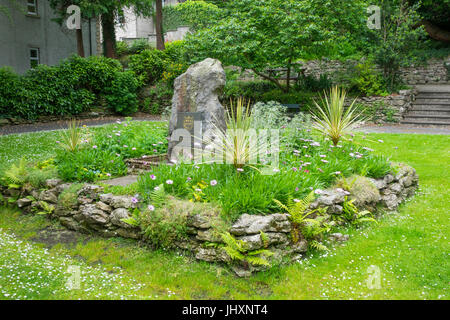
x=393, y=46
x=262, y=35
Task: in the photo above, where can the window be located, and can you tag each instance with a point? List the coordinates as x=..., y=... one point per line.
x=32, y=7
x=34, y=57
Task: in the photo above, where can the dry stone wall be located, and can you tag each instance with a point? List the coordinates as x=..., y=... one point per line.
x=96, y=212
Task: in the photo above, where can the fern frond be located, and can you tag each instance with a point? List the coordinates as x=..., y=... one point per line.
x=257, y=261
x=317, y=245
x=158, y=196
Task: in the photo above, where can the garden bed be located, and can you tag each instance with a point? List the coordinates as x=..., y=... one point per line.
x=271, y=238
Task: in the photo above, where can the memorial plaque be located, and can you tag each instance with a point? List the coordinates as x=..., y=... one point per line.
x=192, y=122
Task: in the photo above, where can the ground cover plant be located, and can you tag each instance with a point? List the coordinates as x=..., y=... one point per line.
x=409, y=247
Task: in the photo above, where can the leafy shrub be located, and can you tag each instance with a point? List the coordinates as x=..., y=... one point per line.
x=10, y=88
x=313, y=84
x=366, y=81
x=148, y=65
x=163, y=226
x=37, y=177
x=121, y=95
x=69, y=88
x=69, y=197
x=158, y=98
x=270, y=115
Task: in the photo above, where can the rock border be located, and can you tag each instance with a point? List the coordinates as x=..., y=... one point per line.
x=96, y=212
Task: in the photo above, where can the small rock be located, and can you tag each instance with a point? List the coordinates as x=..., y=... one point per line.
x=339, y=237
x=52, y=183
x=103, y=206
x=198, y=221
x=131, y=233
x=388, y=178
x=253, y=224
x=25, y=202
x=92, y=215
x=208, y=235
x=48, y=196
x=117, y=216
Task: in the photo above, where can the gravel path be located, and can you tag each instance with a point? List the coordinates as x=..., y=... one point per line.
x=403, y=128
x=62, y=124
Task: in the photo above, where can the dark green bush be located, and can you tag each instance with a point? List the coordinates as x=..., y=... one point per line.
x=10, y=89
x=121, y=95
x=148, y=66
x=157, y=98
x=71, y=87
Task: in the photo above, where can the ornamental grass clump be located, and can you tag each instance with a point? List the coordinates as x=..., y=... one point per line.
x=239, y=144
x=332, y=118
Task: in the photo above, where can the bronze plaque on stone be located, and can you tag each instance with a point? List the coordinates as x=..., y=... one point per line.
x=191, y=122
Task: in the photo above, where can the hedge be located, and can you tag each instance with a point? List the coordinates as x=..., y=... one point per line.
x=72, y=87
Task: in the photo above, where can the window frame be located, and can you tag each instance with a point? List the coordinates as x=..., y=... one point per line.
x=32, y=59
x=32, y=4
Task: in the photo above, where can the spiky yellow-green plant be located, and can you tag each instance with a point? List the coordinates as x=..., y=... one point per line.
x=71, y=138
x=239, y=144
x=332, y=119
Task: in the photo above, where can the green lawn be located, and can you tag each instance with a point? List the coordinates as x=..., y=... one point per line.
x=410, y=248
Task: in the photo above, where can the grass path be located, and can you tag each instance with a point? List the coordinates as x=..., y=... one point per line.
x=410, y=249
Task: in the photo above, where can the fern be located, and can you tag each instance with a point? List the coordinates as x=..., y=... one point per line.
x=298, y=212
x=46, y=208
x=264, y=239
x=134, y=220
x=158, y=196
x=16, y=175
x=352, y=214
x=238, y=250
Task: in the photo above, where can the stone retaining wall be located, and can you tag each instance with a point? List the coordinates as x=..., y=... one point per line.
x=97, y=212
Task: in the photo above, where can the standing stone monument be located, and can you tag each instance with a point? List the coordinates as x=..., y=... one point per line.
x=195, y=106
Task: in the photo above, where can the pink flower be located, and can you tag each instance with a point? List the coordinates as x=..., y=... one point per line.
x=294, y=169
x=318, y=191
x=296, y=189
x=306, y=171
x=133, y=149
x=125, y=146
x=296, y=200
x=152, y=176
x=213, y=182
x=155, y=151
x=189, y=179
x=58, y=142
x=169, y=182
x=320, y=170
x=134, y=200
x=108, y=174
x=94, y=147
x=151, y=208
x=240, y=169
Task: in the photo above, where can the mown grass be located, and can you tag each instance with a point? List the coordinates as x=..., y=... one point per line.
x=410, y=249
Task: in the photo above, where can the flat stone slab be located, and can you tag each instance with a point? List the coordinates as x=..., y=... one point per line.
x=122, y=181
x=433, y=88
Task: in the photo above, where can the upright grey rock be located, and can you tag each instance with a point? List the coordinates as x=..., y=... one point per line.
x=197, y=90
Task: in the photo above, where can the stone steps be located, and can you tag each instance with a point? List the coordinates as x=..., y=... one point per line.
x=431, y=107
x=433, y=101
x=428, y=112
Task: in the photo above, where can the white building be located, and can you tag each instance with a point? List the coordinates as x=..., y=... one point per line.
x=144, y=28
x=28, y=36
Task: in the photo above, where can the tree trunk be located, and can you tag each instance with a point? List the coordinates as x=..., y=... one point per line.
x=435, y=32
x=80, y=45
x=288, y=76
x=109, y=35
x=159, y=26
